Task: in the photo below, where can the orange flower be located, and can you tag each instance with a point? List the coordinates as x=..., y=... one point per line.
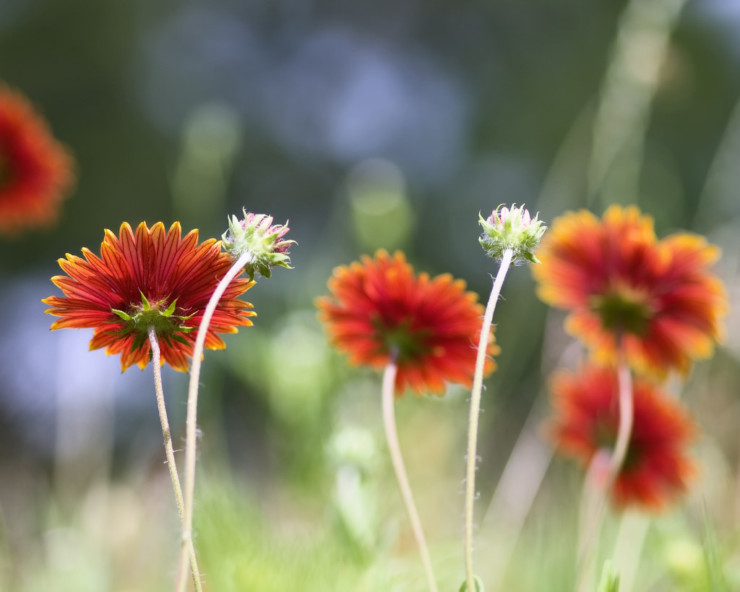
x=35, y=170
x=656, y=469
x=150, y=278
x=620, y=283
x=380, y=307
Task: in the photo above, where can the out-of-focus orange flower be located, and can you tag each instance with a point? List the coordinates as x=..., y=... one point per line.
x=378, y=310
x=150, y=278
x=35, y=170
x=659, y=299
x=656, y=469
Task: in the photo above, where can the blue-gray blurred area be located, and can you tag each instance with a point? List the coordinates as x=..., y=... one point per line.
x=386, y=124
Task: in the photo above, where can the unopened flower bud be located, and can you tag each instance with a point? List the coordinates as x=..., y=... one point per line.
x=256, y=235
x=511, y=229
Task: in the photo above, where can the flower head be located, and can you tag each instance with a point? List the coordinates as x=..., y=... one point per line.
x=379, y=311
x=657, y=468
x=511, y=229
x=262, y=240
x=35, y=170
x=150, y=278
x=657, y=300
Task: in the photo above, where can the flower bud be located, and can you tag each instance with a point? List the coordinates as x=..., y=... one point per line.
x=262, y=240
x=511, y=229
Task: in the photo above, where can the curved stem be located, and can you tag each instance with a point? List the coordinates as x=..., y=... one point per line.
x=603, y=472
x=192, y=412
x=169, y=451
x=626, y=419
x=391, y=434
x=475, y=398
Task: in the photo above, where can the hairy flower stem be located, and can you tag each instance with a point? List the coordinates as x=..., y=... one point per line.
x=170, y=453
x=192, y=412
x=602, y=475
x=475, y=398
x=391, y=435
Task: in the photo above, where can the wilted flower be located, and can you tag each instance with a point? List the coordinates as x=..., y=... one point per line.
x=656, y=300
x=35, y=170
x=511, y=229
x=151, y=278
x=262, y=240
x=379, y=311
x=656, y=468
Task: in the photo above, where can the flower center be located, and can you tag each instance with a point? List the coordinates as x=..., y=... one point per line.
x=400, y=338
x=623, y=309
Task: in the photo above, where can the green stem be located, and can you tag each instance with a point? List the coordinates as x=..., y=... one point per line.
x=169, y=451
x=192, y=412
x=475, y=398
x=391, y=434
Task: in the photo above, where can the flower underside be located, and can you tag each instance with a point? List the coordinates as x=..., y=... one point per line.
x=379, y=311
x=656, y=300
x=152, y=278
x=623, y=310
x=141, y=317
x=401, y=340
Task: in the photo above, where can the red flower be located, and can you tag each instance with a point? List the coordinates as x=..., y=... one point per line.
x=150, y=278
x=620, y=283
x=656, y=468
x=380, y=307
x=35, y=170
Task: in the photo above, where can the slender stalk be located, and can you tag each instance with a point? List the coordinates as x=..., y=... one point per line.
x=391, y=434
x=600, y=480
x=475, y=398
x=170, y=453
x=626, y=419
x=192, y=412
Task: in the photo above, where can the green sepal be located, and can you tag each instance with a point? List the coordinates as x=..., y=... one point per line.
x=170, y=309
x=138, y=341
x=121, y=314
x=179, y=338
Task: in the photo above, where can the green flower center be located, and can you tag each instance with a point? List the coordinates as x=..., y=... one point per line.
x=160, y=315
x=623, y=309
x=400, y=338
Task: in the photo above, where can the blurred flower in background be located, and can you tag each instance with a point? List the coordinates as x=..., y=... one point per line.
x=35, y=170
x=620, y=283
x=379, y=311
x=657, y=468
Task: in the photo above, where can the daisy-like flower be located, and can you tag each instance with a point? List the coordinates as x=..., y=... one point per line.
x=657, y=468
x=656, y=300
x=149, y=278
x=378, y=310
x=35, y=170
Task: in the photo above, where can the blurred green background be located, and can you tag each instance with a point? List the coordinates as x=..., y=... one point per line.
x=367, y=125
